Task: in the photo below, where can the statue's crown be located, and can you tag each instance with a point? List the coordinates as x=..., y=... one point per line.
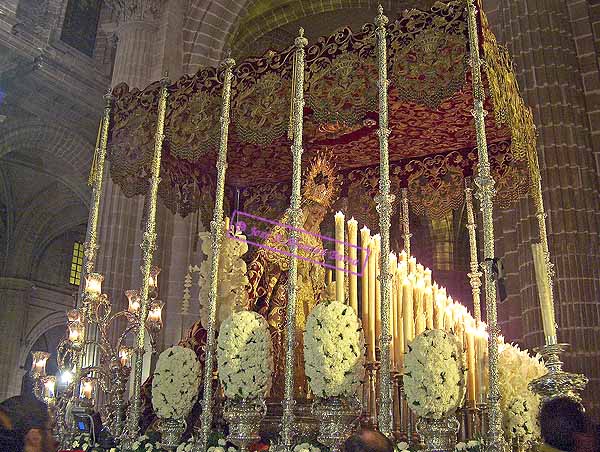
x=320, y=184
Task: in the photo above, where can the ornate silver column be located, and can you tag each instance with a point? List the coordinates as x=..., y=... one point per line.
x=294, y=214
x=384, y=207
x=217, y=231
x=148, y=246
x=485, y=193
x=474, y=273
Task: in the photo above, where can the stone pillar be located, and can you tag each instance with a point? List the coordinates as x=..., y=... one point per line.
x=119, y=227
x=14, y=299
x=539, y=36
x=148, y=44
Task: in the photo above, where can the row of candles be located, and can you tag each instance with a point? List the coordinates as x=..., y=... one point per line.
x=417, y=303
x=76, y=335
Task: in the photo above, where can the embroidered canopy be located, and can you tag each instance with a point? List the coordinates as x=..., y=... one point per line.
x=432, y=142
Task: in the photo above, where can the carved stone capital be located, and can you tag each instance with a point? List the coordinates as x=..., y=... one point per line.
x=136, y=10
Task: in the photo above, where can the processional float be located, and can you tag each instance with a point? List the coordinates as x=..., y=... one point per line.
x=412, y=88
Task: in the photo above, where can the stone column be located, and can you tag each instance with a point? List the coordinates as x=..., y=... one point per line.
x=540, y=38
x=119, y=228
x=148, y=44
x=14, y=299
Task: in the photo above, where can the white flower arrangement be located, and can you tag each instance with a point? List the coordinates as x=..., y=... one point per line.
x=334, y=348
x=175, y=383
x=306, y=447
x=231, y=290
x=469, y=446
x=244, y=356
x=518, y=404
x=522, y=419
x=434, y=374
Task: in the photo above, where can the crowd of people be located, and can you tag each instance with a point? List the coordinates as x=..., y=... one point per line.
x=25, y=426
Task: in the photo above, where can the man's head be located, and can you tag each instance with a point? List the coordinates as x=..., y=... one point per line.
x=560, y=420
x=368, y=440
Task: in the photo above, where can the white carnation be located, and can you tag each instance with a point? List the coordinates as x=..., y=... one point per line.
x=175, y=383
x=333, y=350
x=519, y=405
x=434, y=378
x=244, y=356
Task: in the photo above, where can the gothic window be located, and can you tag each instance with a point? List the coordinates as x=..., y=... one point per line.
x=76, y=264
x=81, y=25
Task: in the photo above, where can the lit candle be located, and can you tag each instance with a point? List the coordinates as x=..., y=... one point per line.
x=427, y=276
x=38, y=363
x=439, y=312
x=339, y=258
x=155, y=313
x=482, y=363
x=394, y=318
x=227, y=224
x=471, y=390
x=87, y=388
x=399, y=324
x=352, y=261
x=449, y=319
x=412, y=265
x=153, y=278
x=418, y=306
x=365, y=239
x=76, y=330
x=49, y=387
x=93, y=283
x=420, y=271
x=402, y=269
x=372, y=290
x=377, y=239
x=543, y=284
x=124, y=355
x=402, y=256
x=407, y=311
x=428, y=296
x=328, y=276
x=133, y=296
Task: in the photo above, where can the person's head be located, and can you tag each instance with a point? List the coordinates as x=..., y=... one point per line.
x=368, y=440
x=560, y=420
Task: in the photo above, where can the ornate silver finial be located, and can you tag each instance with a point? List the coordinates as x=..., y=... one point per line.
x=301, y=41
x=381, y=19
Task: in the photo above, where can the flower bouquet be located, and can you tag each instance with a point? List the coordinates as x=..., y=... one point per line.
x=174, y=391
x=245, y=363
x=519, y=405
x=334, y=348
x=434, y=382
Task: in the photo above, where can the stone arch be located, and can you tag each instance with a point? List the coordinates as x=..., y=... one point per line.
x=44, y=325
x=65, y=155
x=213, y=25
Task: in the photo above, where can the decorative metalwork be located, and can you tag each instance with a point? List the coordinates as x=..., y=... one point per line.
x=474, y=273
x=294, y=214
x=557, y=383
x=244, y=418
x=485, y=193
x=384, y=207
x=337, y=418
x=171, y=431
x=148, y=246
x=406, y=235
x=217, y=233
x=439, y=434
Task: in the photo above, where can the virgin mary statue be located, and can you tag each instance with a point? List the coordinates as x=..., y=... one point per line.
x=268, y=272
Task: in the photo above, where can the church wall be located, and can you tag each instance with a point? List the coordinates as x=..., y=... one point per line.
x=549, y=42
